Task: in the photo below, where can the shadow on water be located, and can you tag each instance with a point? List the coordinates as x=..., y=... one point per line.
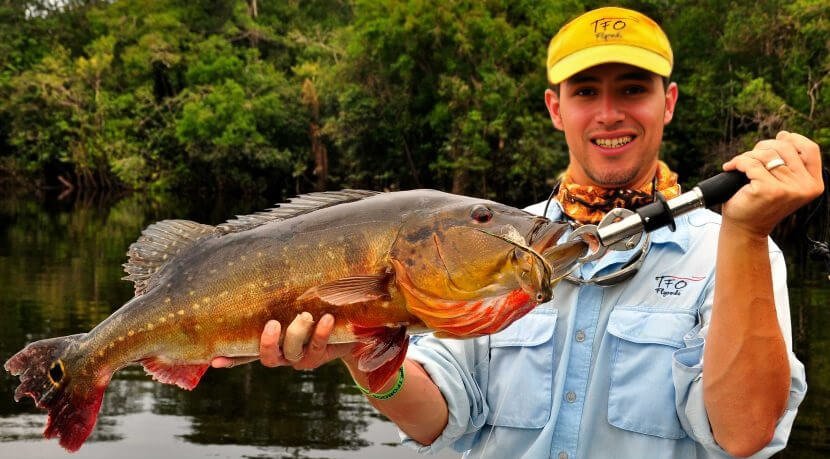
x=60, y=270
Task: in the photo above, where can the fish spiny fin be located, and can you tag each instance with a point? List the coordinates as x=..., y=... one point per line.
x=350, y=290
x=186, y=376
x=299, y=205
x=158, y=244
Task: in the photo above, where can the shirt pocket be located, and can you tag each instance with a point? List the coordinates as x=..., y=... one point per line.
x=519, y=388
x=641, y=396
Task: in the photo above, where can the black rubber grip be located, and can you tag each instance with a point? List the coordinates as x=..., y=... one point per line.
x=718, y=189
x=656, y=215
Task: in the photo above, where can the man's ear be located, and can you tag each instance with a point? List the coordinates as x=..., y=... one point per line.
x=552, y=102
x=671, y=101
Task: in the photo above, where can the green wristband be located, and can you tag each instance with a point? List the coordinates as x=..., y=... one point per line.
x=388, y=394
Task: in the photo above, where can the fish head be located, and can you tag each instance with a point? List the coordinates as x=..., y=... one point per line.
x=474, y=258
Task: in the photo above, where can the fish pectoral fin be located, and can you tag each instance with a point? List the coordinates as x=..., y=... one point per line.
x=186, y=376
x=380, y=352
x=349, y=290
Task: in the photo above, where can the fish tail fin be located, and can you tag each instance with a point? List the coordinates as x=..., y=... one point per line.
x=71, y=398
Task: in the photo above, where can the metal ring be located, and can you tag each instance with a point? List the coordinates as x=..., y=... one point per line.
x=777, y=162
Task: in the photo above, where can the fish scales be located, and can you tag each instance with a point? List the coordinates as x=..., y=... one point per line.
x=381, y=264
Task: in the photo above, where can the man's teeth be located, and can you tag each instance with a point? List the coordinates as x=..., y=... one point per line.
x=613, y=143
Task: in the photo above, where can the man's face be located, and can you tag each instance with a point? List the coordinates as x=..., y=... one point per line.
x=613, y=117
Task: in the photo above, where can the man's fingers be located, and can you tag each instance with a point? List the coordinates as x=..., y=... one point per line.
x=808, y=151
x=296, y=335
x=222, y=362
x=316, y=349
x=269, y=349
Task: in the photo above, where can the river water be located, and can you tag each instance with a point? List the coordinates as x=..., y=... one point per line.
x=60, y=270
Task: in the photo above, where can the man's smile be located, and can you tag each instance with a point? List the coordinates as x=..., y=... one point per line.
x=614, y=142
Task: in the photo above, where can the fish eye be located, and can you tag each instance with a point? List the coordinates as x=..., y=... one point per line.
x=56, y=372
x=481, y=214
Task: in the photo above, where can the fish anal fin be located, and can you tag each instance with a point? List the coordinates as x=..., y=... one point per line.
x=349, y=290
x=186, y=376
x=380, y=352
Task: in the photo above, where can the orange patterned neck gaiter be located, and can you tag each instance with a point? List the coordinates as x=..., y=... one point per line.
x=588, y=204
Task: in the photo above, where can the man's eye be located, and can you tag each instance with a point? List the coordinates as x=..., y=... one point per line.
x=635, y=90
x=585, y=92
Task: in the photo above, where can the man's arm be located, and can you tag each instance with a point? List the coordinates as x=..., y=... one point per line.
x=746, y=372
x=418, y=408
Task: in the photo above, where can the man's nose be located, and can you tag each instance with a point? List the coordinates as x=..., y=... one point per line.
x=609, y=111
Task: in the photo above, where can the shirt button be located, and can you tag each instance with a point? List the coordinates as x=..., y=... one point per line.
x=580, y=336
x=570, y=397
x=563, y=455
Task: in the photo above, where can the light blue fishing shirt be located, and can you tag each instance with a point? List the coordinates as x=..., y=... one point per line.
x=601, y=372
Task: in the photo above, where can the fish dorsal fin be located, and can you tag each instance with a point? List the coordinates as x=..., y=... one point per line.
x=295, y=206
x=349, y=290
x=159, y=243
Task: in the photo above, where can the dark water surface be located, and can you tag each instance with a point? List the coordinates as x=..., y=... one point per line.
x=60, y=270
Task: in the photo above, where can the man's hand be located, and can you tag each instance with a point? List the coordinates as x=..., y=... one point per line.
x=305, y=346
x=774, y=193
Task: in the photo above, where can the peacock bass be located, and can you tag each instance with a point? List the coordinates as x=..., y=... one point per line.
x=383, y=264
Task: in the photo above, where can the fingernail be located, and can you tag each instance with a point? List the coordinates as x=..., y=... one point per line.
x=326, y=320
x=272, y=326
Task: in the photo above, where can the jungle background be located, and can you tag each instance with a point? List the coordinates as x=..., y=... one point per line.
x=284, y=97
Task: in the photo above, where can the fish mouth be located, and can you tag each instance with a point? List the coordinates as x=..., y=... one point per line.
x=545, y=233
x=562, y=257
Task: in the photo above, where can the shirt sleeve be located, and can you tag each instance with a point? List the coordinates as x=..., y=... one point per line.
x=688, y=370
x=459, y=369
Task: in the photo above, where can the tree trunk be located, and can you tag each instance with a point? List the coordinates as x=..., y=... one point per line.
x=318, y=148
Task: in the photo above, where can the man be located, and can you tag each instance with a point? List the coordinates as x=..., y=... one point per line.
x=679, y=360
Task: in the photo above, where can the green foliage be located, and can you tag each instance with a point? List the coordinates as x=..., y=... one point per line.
x=291, y=96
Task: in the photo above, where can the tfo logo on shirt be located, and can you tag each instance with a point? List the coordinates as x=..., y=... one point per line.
x=674, y=285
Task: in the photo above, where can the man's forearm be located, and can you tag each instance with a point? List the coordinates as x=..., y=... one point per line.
x=746, y=371
x=418, y=408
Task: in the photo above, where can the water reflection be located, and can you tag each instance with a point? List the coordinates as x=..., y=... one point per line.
x=60, y=270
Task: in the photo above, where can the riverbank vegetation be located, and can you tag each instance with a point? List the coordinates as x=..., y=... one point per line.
x=292, y=96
